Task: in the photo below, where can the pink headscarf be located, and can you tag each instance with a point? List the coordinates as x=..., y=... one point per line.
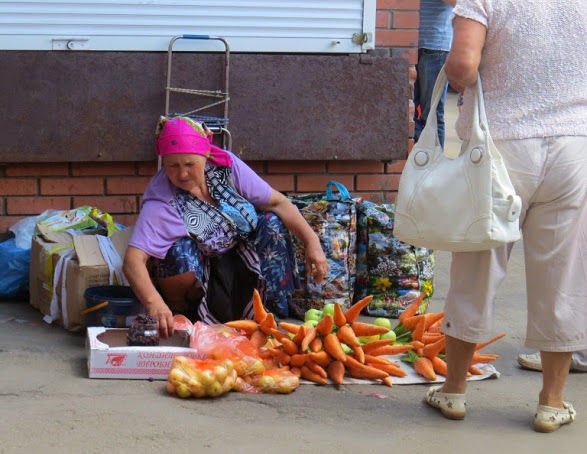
x=179, y=137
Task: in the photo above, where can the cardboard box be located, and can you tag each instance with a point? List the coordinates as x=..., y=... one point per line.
x=110, y=357
x=85, y=268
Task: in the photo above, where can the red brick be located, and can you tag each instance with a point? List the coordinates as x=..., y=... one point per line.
x=355, y=166
x=126, y=219
x=392, y=197
x=409, y=54
x=296, y=166
x=71, y=186
x=377, y=182
x=280, y=182
x=411, y=109
x=36, y=205
x=126, y=185
x=314, y=183
x=412, y=74
x=102, y=168
x=8, y=221
x=399, y=4
x=147, y=168
x=410, y=145
x=411, y=128
x=257, y=166
x=110, y=204
x=382, y=19
x=375, y=197
x=405, y=19
x=396, y=38
x=395, y=166
x=37, y=170
x=18, y=186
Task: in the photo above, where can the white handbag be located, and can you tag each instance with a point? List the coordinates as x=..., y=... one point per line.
x=456, y=201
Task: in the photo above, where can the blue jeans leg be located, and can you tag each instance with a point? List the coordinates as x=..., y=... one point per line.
x=429, y=65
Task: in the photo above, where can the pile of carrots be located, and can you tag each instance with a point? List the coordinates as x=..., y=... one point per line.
x=424, y=334
x=318, y=353
x=332, y=349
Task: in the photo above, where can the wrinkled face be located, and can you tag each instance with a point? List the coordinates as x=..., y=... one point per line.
x=184, y=170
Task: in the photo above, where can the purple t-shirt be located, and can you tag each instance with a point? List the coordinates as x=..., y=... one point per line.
x=159, y=225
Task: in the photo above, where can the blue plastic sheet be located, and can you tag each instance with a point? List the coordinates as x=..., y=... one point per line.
x=14, y=279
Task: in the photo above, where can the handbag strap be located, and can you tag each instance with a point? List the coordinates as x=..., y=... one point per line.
x=479, y=122
x=343, y=192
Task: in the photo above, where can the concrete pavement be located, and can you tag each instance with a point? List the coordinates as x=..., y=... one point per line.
x=48, y=404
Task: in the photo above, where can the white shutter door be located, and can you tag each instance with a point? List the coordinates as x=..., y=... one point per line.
x=325, y=26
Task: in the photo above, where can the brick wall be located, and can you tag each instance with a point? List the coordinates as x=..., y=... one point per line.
x=29, y=189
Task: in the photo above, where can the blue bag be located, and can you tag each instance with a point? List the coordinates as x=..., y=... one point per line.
x=14, y=280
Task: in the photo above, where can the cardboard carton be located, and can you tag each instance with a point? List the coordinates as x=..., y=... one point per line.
x=109, y=356
x=82, y=266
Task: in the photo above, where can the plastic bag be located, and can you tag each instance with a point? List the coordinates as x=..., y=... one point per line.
x=274, y=381
x=24, y=229
x=14, y=279
x=200, y=378
x=220, y=342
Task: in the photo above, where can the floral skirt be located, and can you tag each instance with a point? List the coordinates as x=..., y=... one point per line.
x=274, y=247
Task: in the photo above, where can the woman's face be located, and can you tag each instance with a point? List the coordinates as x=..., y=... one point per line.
x=185, y=171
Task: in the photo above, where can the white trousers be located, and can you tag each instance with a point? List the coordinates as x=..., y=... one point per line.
x=550, y=175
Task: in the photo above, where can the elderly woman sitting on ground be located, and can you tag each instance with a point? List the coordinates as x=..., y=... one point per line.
x=210, y=230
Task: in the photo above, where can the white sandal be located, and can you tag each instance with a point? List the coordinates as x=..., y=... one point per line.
x=549, y=419
x=451, y=405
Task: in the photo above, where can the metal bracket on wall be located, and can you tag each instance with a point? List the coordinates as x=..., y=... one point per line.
x=70, y=44
x=362, y=38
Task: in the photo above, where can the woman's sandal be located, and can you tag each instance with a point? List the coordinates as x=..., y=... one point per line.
x=451, y=405
x=549, y=419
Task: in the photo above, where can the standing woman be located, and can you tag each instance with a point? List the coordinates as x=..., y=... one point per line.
x=200, y=246
x=531, y=58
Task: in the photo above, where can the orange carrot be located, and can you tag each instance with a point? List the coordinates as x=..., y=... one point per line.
x=316, y=345
x=368, y=348
x=339, y=318
x=258, y=338
x=391, y=369
x=282, y=357
x=268, y=324
x=439, y=365
x=279, y=335
x=410, y=323
x=391, y=350
x=347, y=336
x=417, y=344
x=258, y=309
x=424, y=367
x=436, y=327
x=432, y=350
x=316, y=368
x=475, y=371
x=336, y=372
x=360, y=354
x=289, y=346
x=298, y=360
x=493, y=339
x=366, y=329
x=480, y=358
x=312, y=376
x=333, y=347
x=387, y=381
x=324, y=326
x=353, y=312
x=379, y=360
x=290, y=327
x=419, y=329
x=368, y=372
x=321, y=358
x=411, y=310
x=431, y=318
x=299, y=337
x=309, y=337
x=430, y=338
x=248, y=326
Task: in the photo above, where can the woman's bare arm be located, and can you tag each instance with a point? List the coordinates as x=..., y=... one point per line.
x=462, y=63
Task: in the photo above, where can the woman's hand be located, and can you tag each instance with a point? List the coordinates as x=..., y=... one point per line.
x=316, y=264
x=164, y=317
